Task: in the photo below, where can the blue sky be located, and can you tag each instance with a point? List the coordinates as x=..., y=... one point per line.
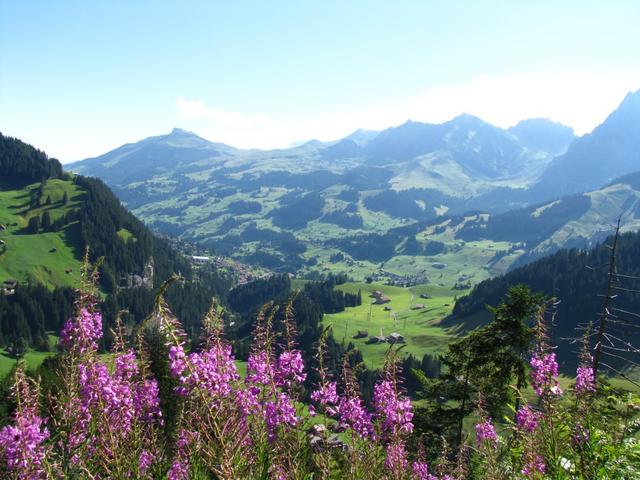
x=80, y=78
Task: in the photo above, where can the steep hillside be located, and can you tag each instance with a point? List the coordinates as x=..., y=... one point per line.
x=572, y=221
x=576, y=278
x=610, y=151
x=49, y=255
x=44, y=229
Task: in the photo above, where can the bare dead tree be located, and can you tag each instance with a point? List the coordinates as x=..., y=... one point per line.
x=606, y=313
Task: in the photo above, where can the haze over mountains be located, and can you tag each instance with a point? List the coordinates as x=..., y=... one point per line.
x=288, y=208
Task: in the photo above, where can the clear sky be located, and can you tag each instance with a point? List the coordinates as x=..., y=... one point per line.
x=78, y=78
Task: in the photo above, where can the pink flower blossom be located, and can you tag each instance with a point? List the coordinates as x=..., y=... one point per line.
x=396, y=413
x=396, y=457
x=259, y=369
x=290, y=369
x=534, y=466
x=279, y=412
x=353, y=415
x=420, y=471
x=22, y=446
x=486, y=432
x=585, y=381
x=81, y=334
x=145, y=461
x=527, y=419
x=544, y=374
x=326, y=396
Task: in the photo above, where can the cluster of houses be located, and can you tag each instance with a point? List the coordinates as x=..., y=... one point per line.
x=395, y=337
x=242, y=273
x=393, y=279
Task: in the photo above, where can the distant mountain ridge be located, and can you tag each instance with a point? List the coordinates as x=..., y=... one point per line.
x=610, y=151
x=278, y=203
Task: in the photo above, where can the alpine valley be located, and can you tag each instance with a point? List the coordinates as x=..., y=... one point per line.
x=453, y=203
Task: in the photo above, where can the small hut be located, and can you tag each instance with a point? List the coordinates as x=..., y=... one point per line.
x=395, y=338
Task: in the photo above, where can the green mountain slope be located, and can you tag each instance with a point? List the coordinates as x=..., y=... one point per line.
x=285, y=209
x=572, y=221
x=47, y=257
x=576, y=278
x=45, y=227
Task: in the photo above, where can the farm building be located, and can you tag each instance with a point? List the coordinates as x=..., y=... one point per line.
x=200, y=260
x=9, y=287
x=395, y=338
x=377, y=339
x=380, y=298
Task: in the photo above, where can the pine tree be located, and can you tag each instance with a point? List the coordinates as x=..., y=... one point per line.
x=45, y=223
x=34, y=225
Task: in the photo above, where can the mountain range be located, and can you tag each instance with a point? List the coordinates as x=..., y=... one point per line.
x=292, y=209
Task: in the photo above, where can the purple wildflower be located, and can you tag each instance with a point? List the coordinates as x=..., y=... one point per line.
x=353, y=415
x=279, y=412
x=180, y=467
x=534, y=466
x=213, y=370
x=527, y=419
x=290, y=368
x=396, y=458
x=22, y=446
x=145, y=461
x=420, y=471
x=177, y=362
x=81, y=334
x=396, y=413
x=326, y=396
x=580, y=435
x=544, y=374
x=585, y=381
x=146, y=401
x=259, y=369
x=486, y=432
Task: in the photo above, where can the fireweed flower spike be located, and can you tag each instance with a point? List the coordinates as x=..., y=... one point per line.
x=486, y=432
x=22, y=444
x=585, y=381
x=527, y=419
x=544, y=374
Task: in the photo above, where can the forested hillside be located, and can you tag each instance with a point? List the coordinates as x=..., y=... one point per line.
x=578, y=279
x=48, y=218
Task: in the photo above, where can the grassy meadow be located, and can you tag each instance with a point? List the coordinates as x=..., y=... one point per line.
x=32, y=357
x=44, y=257
x=420, y=328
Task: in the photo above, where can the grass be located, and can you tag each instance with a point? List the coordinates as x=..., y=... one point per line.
x=421, y=328
x=125, y=235
x=32, y=358
x=44, y=257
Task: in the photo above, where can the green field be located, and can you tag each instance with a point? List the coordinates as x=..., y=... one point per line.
x=32, y=358
x=44, y=257
x=420, y=328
